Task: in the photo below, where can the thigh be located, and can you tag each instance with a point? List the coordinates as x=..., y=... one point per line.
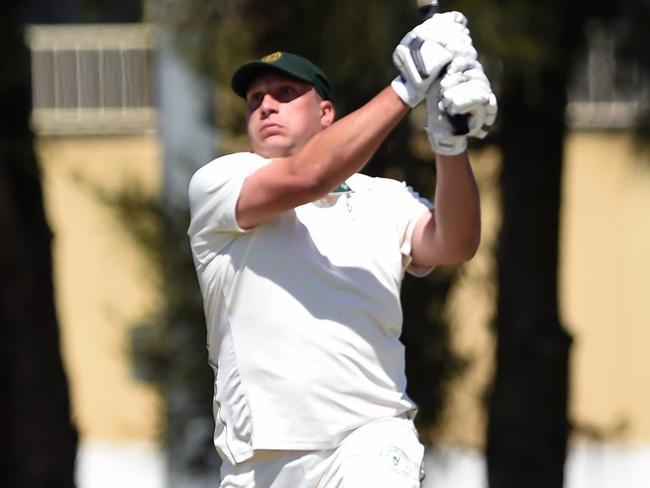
x=384, y=454
x=268, y=469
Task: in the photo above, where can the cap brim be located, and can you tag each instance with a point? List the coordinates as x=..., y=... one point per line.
x=246, y=73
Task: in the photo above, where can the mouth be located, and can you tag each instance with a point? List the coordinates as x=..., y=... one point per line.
x=270, y=129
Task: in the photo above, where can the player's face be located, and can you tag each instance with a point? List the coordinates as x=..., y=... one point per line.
x=283, y=114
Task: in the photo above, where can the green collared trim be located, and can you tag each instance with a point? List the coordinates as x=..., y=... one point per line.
x=342, y=188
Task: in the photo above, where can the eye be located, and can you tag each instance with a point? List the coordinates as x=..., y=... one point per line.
x=254, y=100
x=256, y=95
x=286, y=93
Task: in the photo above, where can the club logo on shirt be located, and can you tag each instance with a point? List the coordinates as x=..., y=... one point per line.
x=397, y=460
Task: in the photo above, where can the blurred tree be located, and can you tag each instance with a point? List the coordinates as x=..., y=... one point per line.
x=40, y=439
x=528, y=426
x=106, y=11
x=632, y=25
x=533, y=47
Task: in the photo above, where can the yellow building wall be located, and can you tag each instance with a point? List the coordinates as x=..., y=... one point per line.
x=605, y=282
x=102, y=279
x=604, y=292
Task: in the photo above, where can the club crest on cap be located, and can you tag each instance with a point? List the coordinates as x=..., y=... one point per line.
x=273, y=57
x=285, y=63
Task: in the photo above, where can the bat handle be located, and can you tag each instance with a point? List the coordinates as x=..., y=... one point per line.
x=427, y=11
x=459, y=122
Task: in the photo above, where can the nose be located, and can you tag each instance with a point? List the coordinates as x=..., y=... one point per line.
x=268, y=105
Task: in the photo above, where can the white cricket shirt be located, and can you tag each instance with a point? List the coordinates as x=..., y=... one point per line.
x=303, y=312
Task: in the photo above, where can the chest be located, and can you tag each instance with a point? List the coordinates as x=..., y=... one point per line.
x=351, y=230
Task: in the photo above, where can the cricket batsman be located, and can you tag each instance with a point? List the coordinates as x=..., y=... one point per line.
x=300, y=260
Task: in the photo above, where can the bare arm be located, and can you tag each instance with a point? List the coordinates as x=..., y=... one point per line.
x=451, y=233
x=330, y=157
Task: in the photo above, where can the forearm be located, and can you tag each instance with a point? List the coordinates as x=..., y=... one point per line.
x=450, y=234
x=346, y=146
x=326, y=160
x=457, y=207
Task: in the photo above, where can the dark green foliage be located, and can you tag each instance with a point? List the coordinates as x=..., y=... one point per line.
x=106, y=11
x=632, y=29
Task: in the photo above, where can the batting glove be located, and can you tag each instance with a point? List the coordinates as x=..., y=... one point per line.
x=424, y=52
x=464, y=90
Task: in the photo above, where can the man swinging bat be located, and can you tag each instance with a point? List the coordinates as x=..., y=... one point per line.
x=300, y=259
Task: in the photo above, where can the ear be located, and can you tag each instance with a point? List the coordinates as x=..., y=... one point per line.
x=328, y=113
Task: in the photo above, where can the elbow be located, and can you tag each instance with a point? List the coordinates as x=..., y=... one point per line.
x=317, y=173
x=448, y=253
x=467, y=243
x=462, y=250
x=312, y=184
x=469, y=248
x=434, y=244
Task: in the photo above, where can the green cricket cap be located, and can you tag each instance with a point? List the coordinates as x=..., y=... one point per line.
x=285, y=63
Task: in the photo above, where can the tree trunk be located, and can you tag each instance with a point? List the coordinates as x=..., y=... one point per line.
x=35, y=412
x=528, y=427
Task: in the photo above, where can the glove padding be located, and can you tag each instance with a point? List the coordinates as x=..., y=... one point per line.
x=450, y=30
x=465, y=89
x=424, y=52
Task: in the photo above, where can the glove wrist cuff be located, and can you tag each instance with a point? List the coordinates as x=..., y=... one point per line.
x=405, y=90
x=447, y=144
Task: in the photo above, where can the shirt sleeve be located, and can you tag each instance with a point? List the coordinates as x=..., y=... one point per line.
x=410, y=207
x=213, y=193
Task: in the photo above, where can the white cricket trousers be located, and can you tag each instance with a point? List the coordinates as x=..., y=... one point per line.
x=383, y=454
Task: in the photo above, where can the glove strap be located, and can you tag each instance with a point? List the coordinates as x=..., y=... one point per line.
x=405, y=90
x=444, y=143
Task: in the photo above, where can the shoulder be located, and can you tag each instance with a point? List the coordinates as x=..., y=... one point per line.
x=214, y=189
x=229, y=163
x=224, y=168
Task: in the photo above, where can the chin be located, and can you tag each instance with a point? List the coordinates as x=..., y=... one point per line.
x=273, y=151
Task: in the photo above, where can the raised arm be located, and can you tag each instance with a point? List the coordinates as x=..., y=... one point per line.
x=451, y=233
x=334, y=153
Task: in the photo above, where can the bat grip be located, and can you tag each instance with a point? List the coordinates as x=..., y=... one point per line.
x=427, y=11
x=459, y=122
